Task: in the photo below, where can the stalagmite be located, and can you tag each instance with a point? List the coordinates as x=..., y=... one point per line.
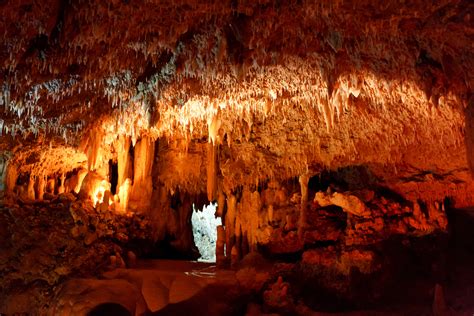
x=104, y=206
x=81, y=174
x=230, y=223
x=220, y=245
x=439, y=303
x=124, y=163
x=234, y=256
x=75, y=181
x=238, y=234
x=61, y=187
x=93, y=188
x=248, y=215
x=41, y=187
x=303, y=179
x=220, y=203
x=31, y=188
x=211, y=172
x=140, y=195
x=123, y=196
x=11, y=175
x=51, y=185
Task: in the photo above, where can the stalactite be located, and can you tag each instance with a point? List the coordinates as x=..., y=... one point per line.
x=93, y=149
x=211, y=172
x=214, y=125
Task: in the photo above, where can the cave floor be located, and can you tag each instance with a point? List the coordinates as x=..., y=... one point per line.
x=164, y=287
x=172, y=287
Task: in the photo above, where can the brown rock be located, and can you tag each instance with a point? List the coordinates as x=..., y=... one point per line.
x=90, y=238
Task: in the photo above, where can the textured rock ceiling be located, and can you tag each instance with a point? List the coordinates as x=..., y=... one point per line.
x=284, y=86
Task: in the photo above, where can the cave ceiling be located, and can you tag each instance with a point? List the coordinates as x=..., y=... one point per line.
x=281, y=86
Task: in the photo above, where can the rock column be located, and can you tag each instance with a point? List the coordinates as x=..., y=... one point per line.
x=140, y=196
x=124, y=162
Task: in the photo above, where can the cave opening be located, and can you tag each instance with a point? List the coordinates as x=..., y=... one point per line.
x=204, y=224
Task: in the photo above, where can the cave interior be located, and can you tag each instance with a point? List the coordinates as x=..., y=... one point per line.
x=236, y=157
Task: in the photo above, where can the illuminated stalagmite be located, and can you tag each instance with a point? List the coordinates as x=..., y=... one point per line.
x=124, y=162
x=142, y=187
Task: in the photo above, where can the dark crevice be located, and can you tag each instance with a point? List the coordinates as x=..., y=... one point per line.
x=113, y=176
x=56, y=31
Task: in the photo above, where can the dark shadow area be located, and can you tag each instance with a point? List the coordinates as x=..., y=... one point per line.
x=460, y=272
x=213, y=300
x=109, y=309
x=410, y=268
x=343, y=179
x=113, y=176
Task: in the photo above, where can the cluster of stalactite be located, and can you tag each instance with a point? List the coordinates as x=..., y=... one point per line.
x=163, y=179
